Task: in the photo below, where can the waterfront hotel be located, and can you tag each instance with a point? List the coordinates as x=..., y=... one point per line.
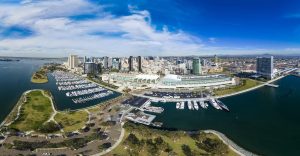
x=265, y=67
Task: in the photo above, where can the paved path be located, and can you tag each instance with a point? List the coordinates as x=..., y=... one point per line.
x=115, y=145
x=53, y=108
x=18, y=111
x=237, y=149
x=120, y=138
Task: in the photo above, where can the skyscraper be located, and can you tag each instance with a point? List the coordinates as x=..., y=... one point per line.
x=265, y=66
x=197, y=66
x=216, y=60
x=109, y=63
x=116, y=63
x=139, y=60
x=72, y=61
x=90, y=68
x=130, y=63
x=105, y=62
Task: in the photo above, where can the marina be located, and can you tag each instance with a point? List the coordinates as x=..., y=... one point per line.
x=83, y=90
x=196, y=105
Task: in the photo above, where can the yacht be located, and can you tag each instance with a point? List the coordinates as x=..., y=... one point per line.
x=202, y=104
x=214, y=104
x=177, y=105
x=221, y=104
x=190, y=106
x=196, y=105
x=182, y=105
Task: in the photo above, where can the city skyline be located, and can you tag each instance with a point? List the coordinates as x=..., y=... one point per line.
x=111, y=28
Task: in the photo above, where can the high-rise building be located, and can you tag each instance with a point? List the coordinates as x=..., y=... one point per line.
x=116, y=63
x=204, y=62
x=216, y=60
x=72, y=61
x=139, y=60
x=84, y=59
x=197, y=66
x=130, y=63
x=90, y=68
x=109, y=63
x=105, y=62
x=265, y=66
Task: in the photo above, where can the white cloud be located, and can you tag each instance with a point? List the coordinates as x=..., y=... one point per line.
x=56, y=34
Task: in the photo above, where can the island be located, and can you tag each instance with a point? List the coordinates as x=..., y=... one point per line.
x=8, y=60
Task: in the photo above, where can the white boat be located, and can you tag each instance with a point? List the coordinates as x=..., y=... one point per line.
x=182, y=105
x=196, y=105
x=214, y=104
x=177, y=105
x=154, y=100
x=202, y=104
x=222, y=105
x=190, y=106
x=163, y=100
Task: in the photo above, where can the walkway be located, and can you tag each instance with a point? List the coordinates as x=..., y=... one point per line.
x=18, y=111
x=237, y=149
x=115, y=145
x=53, y=108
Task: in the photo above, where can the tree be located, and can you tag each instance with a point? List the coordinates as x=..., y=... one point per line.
x=213, y=146
x=49, y=127
x=105, y=146
x=186, y=150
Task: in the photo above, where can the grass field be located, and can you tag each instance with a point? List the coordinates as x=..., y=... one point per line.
x=174, y=140
x=34, y=112
x=247, y=83
x=71, y=121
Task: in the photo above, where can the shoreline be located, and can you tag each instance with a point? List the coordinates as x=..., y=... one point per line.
x=250, y=89
x=233, y=146
x=216, y=97
x=3, y=123
x=18, y=106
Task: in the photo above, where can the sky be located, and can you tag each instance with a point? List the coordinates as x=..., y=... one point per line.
x=57, y=28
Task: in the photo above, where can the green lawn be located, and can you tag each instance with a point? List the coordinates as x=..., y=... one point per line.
x=72, y=121
x=34, y=112
x=172, y=139
x=247, y=83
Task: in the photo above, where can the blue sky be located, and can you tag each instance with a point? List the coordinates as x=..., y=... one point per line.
x=55, y=28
